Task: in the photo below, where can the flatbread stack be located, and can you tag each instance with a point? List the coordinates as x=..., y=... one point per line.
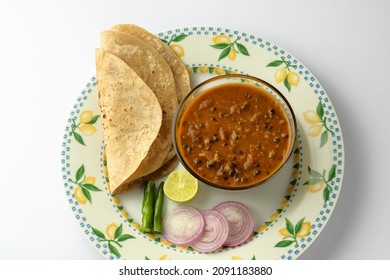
x=140, y=83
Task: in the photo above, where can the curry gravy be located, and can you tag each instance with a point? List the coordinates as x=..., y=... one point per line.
x=234, y=135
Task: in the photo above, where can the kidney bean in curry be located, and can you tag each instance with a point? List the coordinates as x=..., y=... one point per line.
x=234, y=135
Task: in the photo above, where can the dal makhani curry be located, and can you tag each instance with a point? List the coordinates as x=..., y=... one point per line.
x=234, y=135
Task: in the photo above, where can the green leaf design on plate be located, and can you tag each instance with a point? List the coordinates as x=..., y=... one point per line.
x=113, y=250
x=91, y=188
x=332, y=173
x=279, y=211
x=253, y=258
x=322, y=177
x=287, y=84
x=313, y=173
x=298, y=226
x=118, y=238
x=284, y=243
x=286, y=72
x=211, y=69
x=124, y=237
x=275, y=63
x=220, y=46
x=320, y=110
x=146, y=258
x=94, y=119
x=118, y=232
x=289, y=226
x=179, y=38
x=312, y=181
x=324, y=138
x=80, y=172
x=78, y=138
x=174, y=39
x=242, y=49
x=325, y=194
x=98, y=233
x=227, y=48
x=293, y=231
x=296, y=166
x=227, y=72
x=325, y=133
x=267, y=223
x=87, y=194
x=224, y=53
x=195, y=69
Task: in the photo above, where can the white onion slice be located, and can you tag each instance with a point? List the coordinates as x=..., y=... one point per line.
x=215, y=233
x=240, y=220
x=183, y=226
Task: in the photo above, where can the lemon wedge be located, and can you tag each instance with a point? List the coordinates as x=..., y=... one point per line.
x=180, y=186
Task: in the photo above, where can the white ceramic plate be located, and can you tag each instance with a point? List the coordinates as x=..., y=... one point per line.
x=290, y=210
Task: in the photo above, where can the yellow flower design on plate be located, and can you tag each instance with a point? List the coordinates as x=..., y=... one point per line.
x=85, y=185
x=305, y=230
x=229, y=49
x=291, y=233
x=85, y=126
x=115, y=236
x=78, y=193
x=176, y=48
x=86, y=116
x=318, y=180
x=110, y=230
x=285, y=74
x=315, y=187
x=318, y=124
x=79, y=196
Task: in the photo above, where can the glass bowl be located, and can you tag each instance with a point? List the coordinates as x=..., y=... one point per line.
x=223, y=135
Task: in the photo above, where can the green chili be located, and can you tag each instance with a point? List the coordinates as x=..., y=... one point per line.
x=158, y=208
x=148, y=207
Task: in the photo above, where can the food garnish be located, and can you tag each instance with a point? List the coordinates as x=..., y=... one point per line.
x=229, y=224
x=158, y=209
x=183, y=226
x=148, y=208
x=215, y=233
x=240, y=219
x=181, y=186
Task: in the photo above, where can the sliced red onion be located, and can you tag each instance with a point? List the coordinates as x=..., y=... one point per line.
x=240, y=220
x=183, y=226
x=215, y=234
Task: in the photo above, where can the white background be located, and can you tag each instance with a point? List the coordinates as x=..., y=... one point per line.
x=47, y=56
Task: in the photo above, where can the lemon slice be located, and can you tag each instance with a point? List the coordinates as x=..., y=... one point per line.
x=180, y=186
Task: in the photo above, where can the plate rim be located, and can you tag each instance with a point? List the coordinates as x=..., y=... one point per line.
x=92, y=83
